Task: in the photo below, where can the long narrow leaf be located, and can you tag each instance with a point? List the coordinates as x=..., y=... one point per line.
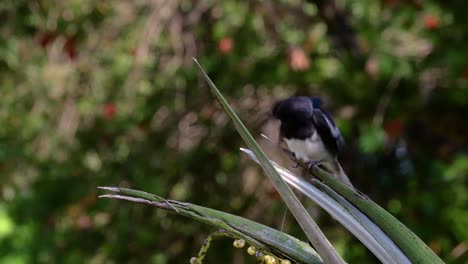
x=416, y=250
x=395, y=253
x=261, y=236
x=312, y=231
x=351, y=218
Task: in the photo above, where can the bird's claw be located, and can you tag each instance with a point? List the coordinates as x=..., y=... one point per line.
x=311, y=163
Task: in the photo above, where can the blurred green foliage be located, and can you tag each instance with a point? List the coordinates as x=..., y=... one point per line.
x=104, y=93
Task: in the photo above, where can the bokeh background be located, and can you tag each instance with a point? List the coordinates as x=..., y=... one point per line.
x=99, y=93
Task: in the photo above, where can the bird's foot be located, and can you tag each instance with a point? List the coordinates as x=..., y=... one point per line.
x=311, y=163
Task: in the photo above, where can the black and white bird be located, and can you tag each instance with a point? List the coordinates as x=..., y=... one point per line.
x=310, y=133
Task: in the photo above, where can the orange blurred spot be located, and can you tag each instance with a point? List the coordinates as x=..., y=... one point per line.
x=225, y=45
x=298, y=60
x=435, y=246
x=207, y=111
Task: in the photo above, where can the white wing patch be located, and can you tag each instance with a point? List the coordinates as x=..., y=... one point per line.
x=310, y=149
x=334, y=130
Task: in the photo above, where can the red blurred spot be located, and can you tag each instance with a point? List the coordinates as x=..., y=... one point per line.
x=109, y=110
x=390, y=3
x=70, y=48
x=431, y=21
x=45, y=38
x=465, y=73
x=225, y=45
x=298, y=60
x=274, y=195
x=50, y=222
x=394, y=128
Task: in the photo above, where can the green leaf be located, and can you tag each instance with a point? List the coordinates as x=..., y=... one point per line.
x=345, y=213
x=416, y=250
x=261, y=236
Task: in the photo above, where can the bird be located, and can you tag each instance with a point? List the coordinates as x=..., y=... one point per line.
x=310, y=133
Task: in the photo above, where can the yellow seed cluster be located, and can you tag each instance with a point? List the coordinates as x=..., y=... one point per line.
x=239, y=243
x=285, y=261
x=269, y=259
x=251, y=250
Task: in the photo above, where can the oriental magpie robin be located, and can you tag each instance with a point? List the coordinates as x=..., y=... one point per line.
x=310, y=133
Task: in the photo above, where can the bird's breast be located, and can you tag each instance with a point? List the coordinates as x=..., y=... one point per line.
x=311, y=148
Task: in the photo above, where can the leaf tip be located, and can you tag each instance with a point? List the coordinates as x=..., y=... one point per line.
x=105, y=196
x=198, y=64
x=249, y=152
x=245, y=150
x=112, y=189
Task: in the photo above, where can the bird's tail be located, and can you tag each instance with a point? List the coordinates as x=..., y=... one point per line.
x=339, y=172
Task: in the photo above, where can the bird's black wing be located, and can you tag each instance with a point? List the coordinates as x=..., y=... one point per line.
x=328, y=131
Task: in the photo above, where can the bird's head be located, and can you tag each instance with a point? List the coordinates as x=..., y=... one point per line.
x=296, y=109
